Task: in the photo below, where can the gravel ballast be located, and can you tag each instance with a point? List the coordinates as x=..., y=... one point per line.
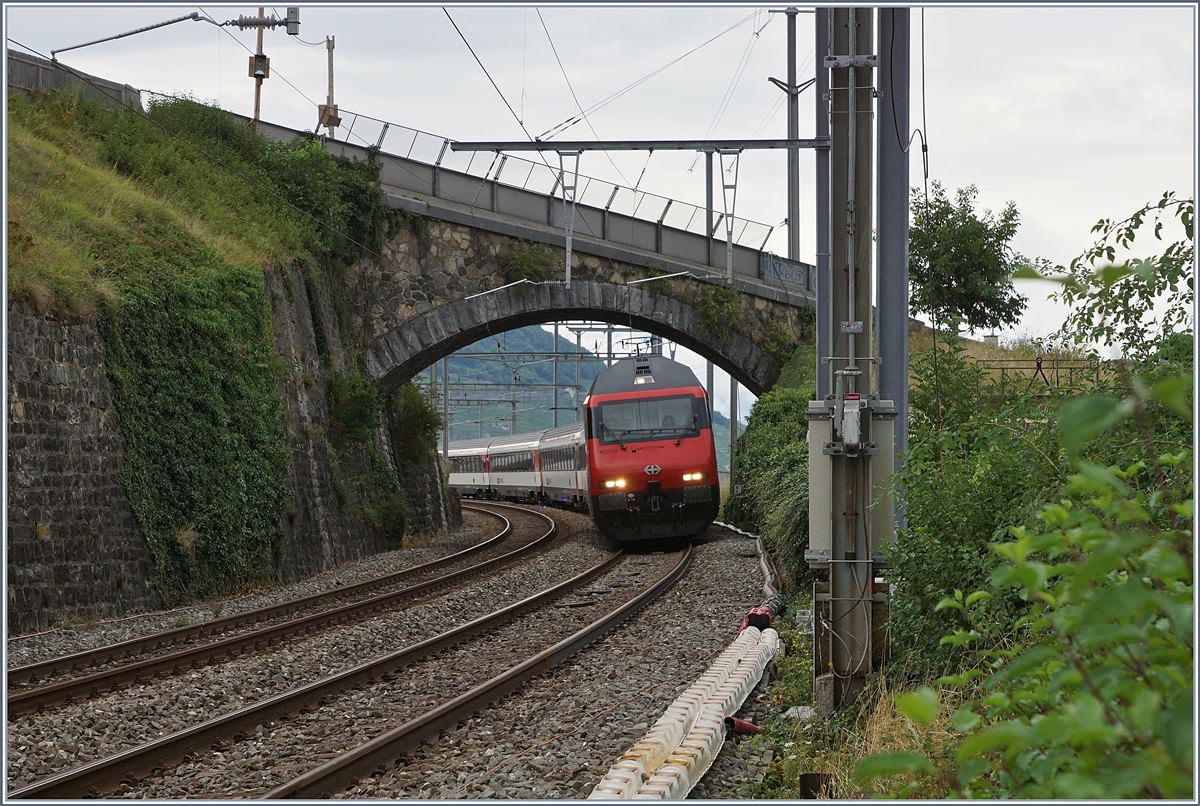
x=553, y=739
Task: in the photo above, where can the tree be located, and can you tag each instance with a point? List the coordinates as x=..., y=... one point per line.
x=960, y=264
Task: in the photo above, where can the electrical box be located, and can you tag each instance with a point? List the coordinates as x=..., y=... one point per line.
x=328, y=115
x=820, y=485
x=879, y=449
x=883, y=465
x=260, y=66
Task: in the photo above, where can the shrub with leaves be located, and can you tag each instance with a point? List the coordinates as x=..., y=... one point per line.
x=1090, y=693
x=990, y=464
x=1140, y=303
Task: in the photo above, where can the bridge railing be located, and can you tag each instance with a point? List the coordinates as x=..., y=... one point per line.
x=509, y=186
x=541, y=177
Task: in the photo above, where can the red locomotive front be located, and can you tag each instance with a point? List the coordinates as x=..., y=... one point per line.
x=652, y=463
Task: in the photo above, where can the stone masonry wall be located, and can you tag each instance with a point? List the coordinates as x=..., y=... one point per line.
x=75, y=552
x=330, y=486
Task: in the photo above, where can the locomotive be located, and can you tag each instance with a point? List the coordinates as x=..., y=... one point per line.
x=642, y=462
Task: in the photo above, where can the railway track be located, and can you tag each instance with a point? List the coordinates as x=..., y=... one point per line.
x=372, y=704
x=88, y=674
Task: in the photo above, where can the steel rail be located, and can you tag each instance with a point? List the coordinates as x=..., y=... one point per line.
x=38, y=699
x=148, y=643
x=383, y=751
x=106, y=774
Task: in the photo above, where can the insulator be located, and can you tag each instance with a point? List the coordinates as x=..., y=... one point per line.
x=256, y=22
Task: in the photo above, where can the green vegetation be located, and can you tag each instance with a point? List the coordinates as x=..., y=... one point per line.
x=960, y=263
x=527, y=261
x=354, y=406
x=1042, y=608
x=162, y=225
x=719, y=309
x=1074, y=656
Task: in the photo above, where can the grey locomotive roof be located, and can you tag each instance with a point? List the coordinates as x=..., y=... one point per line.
x=666, y=373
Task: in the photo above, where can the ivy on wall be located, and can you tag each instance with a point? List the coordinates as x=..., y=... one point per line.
x=189, y=352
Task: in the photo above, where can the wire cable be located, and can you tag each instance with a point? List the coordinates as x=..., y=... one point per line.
x=722, y=107
x=571, y=121
x=578, y=105
x=516, y=117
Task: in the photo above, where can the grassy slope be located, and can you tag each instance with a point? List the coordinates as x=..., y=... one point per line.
x=178, y=294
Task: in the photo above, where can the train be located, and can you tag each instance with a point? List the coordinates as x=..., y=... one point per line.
x=642, y=462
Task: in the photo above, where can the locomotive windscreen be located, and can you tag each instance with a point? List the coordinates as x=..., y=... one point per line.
x=621, y=421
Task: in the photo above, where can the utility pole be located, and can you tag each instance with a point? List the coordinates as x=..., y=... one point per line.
x=260, y=69
x=824, y=298
x=554, y=406
x=733, y=419
x=793, y=92
x=894, y=33
x=329, y=112
x=850, y=428
x=260, y=65
x=446, y=408
x=793, y=134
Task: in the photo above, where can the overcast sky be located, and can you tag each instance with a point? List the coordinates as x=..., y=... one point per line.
x=1073, y=113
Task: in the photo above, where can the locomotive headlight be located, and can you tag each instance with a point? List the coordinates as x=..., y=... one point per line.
x=611, y=483
x=693, y=477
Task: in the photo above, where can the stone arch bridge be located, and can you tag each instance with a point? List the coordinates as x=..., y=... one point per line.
x=441, y=286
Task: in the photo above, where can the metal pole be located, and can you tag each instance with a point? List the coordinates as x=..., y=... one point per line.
x=708, y=212
x=258, y=80
x=610, y=353
x=329, y=98
x=446, y=407
x=733, y=423
x=481, y=419
x=894, y=35
x=568, y=200
x=852, y=149
x=710, y=389
x=824, y=301
x=793, y=134
x=578, y=378
x=554, y=406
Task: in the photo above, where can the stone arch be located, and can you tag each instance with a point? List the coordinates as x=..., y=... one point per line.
x=402, y=352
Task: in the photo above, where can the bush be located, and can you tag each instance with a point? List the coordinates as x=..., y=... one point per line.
x=527, y=261
x=990, y=464
x=414, y=424
x=354, y=404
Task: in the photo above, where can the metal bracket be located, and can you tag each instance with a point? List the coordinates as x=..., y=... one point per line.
x=832, y=62
x=839, y=449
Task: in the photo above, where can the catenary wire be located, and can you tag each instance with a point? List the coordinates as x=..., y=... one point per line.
x=516, y=117
x=571, y=121
x=738, y=72
x=554, y=50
